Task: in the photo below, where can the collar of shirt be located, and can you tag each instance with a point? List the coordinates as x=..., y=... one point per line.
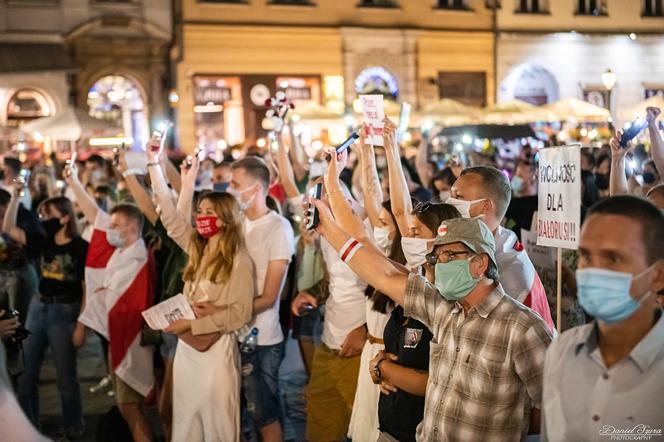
x=645, y=352
x=485, y=307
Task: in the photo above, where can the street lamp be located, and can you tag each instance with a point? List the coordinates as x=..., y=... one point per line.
x=609, y=81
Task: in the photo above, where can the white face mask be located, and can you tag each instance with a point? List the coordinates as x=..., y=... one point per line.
x=382, y=238
x=415, y=250
x=238, y=196
x=464, y=206
x=114, y=238
x=444, y=195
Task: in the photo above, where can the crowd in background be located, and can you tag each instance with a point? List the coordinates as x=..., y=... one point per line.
x=418, y=313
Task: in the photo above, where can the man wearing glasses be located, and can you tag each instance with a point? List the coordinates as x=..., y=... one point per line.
x=487, y=352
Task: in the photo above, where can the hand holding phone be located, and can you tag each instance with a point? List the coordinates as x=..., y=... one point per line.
x=632, y=131
x=345, y=145
x=312, y=213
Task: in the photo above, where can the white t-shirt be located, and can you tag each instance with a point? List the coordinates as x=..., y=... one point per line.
x=269, y=238
x=345, y=308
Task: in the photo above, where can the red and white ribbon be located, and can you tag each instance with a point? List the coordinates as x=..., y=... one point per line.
x=349, y=249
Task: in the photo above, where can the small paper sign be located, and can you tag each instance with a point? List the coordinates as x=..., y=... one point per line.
x=404, y=119
x=374, y=112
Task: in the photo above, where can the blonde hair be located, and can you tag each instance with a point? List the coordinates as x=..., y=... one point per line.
x=232, y=218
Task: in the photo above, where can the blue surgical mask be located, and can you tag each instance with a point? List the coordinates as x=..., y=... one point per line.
x=220, y=187
x=454, y=280
x=605, y=294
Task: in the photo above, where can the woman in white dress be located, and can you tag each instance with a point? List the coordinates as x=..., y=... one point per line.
x=219, y=283
x=364, y=419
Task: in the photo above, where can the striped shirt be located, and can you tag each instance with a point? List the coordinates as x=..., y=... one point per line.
x=485, y=367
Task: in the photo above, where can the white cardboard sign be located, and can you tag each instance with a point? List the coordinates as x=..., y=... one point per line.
x=559, y=202
x=373, y=109
x=404, y=119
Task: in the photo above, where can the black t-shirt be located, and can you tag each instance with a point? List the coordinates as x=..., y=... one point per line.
x=63, y=269
x=34, y=232
x=521, y=211
x=400, y=413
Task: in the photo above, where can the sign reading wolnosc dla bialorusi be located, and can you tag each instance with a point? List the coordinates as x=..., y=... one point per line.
x=559, y=202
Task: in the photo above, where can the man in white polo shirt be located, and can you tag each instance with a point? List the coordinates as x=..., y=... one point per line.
x=271, y=245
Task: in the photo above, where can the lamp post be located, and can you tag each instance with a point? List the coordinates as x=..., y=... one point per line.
x=609, y=81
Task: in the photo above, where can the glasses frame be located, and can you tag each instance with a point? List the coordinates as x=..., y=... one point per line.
x=433, y=258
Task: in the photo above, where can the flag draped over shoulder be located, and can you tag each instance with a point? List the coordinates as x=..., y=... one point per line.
x=518, y=276
x=119, y=286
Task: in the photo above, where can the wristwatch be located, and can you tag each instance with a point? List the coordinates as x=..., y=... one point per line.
x=376, y=370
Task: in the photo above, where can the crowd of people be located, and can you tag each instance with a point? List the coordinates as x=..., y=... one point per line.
x=418, y=313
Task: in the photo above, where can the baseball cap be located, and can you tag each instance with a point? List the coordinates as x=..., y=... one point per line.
x=473, y=233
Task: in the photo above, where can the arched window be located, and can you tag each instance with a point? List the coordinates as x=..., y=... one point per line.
x=26, y=105
x=118, y=99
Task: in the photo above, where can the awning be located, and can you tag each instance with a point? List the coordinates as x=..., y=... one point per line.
x=492, y=131
x=30, y=57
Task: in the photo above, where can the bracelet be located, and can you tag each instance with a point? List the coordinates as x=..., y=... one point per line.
x=155, y=163
x=349, y=249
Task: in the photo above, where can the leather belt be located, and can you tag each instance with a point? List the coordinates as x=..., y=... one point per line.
x=374, y=340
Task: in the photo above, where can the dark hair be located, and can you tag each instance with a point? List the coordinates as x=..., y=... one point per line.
x=256, y=168
x=224, y=163
x=106, y=190
x=66, y=208
x=14, y=164
x=381, y=301
x=495, y=184
x=590, y=158
x=446, y=175
x=432, y=214
x=130, y=211
x=531, y=166
x=97, y=159
x=590, y=193
x=5, y=197
x=642, y=211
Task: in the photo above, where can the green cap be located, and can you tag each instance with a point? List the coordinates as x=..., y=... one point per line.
x=469, y=231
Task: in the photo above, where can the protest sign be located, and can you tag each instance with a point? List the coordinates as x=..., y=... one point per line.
x=374, y=113
x=559, y=202
x=543, y=258
x=404, y=119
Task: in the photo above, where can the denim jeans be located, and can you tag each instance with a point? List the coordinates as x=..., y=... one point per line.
x=260, y=383
x=51, y=325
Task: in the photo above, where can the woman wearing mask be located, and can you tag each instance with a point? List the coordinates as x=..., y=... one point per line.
x=218, y=275
x=52, y=317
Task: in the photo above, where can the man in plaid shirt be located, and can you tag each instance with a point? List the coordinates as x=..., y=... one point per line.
x=487, y=355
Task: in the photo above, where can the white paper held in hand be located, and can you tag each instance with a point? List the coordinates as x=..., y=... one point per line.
x=162, y=315
x=373, y=109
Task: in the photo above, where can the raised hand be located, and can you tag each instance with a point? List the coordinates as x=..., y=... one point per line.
x=652, y=114
x=617, y=151
x=389, y=134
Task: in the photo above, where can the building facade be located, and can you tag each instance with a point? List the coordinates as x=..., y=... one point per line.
x=551, y=49
x=233, y=55
x=107, y=57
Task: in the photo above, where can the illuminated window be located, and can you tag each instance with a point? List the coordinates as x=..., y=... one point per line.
x=118, y=99
x=26, y=105
x=377, y=80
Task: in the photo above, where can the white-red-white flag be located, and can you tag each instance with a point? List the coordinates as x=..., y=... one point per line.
x=119, y=287
x=518, y=275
